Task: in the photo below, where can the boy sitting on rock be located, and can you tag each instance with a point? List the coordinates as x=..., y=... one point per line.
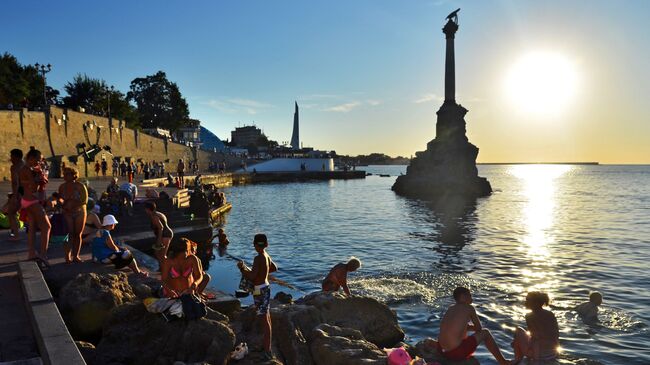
x=453, y=342
x=107, y=252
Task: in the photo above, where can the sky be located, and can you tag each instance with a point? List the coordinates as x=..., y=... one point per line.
x=368, y=74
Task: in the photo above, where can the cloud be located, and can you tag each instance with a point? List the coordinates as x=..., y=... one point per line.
x=428, y=97
x=373, y=102
x=237, y=105
x=343, y=108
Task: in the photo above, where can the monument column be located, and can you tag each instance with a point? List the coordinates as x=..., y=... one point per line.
x=450, y=70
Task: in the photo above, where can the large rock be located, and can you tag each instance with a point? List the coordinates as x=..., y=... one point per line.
x=425, y=350
x=343, y=346
x=293, y=325
x=448, y=166
x=132, y=335
x=86, y=302
x=373, y=319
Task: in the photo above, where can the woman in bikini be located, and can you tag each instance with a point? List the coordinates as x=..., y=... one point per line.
x=181, y=272
x=161, y=229
x=32, y=181
x=92, y=225
x=75, y=199
x=541, y=340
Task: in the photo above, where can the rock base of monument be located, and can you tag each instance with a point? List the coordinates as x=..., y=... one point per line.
x=447, y=169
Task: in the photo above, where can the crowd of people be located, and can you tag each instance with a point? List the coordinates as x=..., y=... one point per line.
x=71, y=217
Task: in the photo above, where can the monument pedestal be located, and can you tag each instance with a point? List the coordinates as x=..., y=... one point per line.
x=448, y=166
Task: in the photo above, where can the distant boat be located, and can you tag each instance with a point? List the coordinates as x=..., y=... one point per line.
x=384, y=175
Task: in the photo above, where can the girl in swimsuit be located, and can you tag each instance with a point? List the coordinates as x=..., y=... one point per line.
x=31, y=182
x=161, y=229
x=542, y=340
x=75, y=198
x=181, y=272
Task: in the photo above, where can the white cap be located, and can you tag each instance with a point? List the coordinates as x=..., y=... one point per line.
x=108, y=220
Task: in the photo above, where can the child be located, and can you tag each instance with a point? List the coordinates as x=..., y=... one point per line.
x=206, y=277
x=107, y=252
x=338, y=276
x=544, y=339
x=259, y=275
x=589, y=310
x=223, y=238
x=453, y=341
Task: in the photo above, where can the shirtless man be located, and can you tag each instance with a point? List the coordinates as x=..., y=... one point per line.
x=32, y=180
x=338, y=276
x=589, y=310
x=259, y=276
x=453, y=342
x=13, y=204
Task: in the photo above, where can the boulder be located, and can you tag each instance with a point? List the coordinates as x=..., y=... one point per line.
x=131, y=335
x=87, y=351
x=430, y=354
x=373, y=319
x=343, y=346
x=294, y=325
x=87, y=300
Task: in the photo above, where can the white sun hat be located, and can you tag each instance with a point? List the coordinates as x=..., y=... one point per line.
x=108, y=220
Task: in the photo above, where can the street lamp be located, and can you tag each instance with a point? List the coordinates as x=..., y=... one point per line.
x=44, y=69
x=110, y=92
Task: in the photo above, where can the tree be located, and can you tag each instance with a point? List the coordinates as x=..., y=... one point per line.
x=94, y=95
x=20, y=83
x=85, y=92
x=159, y=102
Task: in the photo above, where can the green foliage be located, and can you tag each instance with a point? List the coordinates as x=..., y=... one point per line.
x=20, y=83
x=159, y=102
x=94, y=96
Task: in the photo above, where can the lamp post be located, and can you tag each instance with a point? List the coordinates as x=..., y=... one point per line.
x=42, y=70
x=110, y=93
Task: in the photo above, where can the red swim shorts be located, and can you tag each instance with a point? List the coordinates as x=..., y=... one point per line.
x=464, y=351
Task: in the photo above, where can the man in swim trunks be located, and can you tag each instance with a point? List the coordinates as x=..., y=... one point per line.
x=259, y=275
x=13, y=203
x=338, y=276
x=453, y=342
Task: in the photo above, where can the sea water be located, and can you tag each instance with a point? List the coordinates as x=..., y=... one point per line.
x=562, y=229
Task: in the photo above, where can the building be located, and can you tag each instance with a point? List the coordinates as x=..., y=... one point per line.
x=245, y=136
x=158, y=132
x=190, y=133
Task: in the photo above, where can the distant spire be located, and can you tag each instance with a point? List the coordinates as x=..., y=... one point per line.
x=295, y=136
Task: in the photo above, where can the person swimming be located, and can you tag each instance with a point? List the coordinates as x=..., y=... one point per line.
x=588, y=311
x=542, y=339
x=338, y=276
x=223, y=238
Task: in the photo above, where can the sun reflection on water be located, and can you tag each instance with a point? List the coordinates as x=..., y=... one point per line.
x=538, y=216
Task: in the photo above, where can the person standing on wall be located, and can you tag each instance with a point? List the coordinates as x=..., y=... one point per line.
x=104, y=167
x=180, y=170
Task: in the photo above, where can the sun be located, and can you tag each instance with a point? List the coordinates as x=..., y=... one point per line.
x=542, y=83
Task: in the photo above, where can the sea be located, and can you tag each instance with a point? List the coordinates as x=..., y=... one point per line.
x=566, y=230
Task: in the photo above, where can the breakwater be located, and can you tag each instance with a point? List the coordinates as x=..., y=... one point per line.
x=57, y=131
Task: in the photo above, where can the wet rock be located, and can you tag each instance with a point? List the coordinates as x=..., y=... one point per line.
x=87, y=350
x=87, y=300
x=343, y=346
x=131, y=335
x=430, y=354
x=376, y=322
x=142, y=291
x=283, y=298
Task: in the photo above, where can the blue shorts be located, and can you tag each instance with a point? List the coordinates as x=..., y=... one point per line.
x=263, y=301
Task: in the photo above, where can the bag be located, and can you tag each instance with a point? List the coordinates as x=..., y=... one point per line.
x=193, y=308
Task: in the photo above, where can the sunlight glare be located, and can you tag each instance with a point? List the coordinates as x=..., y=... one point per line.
x=542, y=83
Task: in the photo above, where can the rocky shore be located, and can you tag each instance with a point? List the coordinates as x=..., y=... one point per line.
x=106, y=317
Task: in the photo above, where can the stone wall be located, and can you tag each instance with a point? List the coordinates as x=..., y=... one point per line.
x=57, y=134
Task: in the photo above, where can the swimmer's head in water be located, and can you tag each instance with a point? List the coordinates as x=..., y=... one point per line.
x=462, y=295
x=596, y=298
x=353, y=264
x=260, y=241
x=536, y=300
